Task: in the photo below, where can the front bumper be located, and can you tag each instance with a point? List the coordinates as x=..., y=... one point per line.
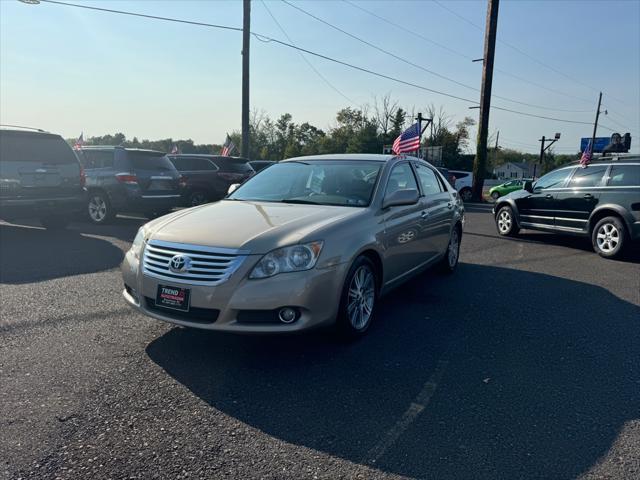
x=314, y=293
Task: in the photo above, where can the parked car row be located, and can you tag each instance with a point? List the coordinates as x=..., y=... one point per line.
x=42, y=177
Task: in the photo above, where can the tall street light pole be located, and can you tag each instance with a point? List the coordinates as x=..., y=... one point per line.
x=480, y=161
x=246, y=36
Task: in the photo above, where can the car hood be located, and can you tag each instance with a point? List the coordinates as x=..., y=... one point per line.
x=258, y=227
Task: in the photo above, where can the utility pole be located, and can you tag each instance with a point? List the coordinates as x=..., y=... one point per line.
x=543, y=148
x=246, y=37
x=480, y=161
x=595, y=124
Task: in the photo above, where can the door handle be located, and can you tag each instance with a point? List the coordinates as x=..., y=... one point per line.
x=424, y=214
x=548, y=195
x=587, y=196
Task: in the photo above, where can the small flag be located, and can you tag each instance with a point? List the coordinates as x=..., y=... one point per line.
x=408, y=141
x=228, y=147
x=586, y=156
x=174, y=150
x=79, y=141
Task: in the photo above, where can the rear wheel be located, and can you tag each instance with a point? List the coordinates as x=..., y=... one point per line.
x=465, y=194
x=198, y=197
x=99, y=208
x=608, y=237
x=359, y=297
x=506, y=222
x=450, y=260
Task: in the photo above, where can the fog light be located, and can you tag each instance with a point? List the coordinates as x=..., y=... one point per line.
x=287, y=315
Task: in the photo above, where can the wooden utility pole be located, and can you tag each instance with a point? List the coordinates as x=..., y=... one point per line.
x=246, y=37
x=595, y=125
x=480, y=161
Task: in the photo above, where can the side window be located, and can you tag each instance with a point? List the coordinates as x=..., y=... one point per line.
x=401, y=178
x=624, y=176
x=428, y=180
x=97, y=159
x=177, y=162
x=588, y=177
x=553, y=179
x=203, y=164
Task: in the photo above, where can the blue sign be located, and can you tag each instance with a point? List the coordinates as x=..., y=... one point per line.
x=600, y=144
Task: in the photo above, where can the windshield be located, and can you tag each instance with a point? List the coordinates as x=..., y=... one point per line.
x=323, y=183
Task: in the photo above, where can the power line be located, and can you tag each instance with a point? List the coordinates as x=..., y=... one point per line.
x=324, y=79
x=408, y=62
x=468, y=57
x=521, y=52
x=267, y=39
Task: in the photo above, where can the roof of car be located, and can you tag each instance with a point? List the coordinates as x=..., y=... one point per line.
x=206, y=155
x=113, y=147
x=619, y=158
x=370, y=157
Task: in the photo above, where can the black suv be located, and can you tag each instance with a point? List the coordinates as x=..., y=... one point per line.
x=601, y=201
x=208, y=177
x=39, y=177
x=129, y=180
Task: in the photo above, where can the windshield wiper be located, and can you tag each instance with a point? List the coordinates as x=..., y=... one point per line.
x=298, y=201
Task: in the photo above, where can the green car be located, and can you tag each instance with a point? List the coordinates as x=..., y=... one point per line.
x=507, y=187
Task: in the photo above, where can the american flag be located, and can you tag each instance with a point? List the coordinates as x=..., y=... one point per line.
x=79, y=141
x=174, y=150
x=408, y=141
x=586, y=155
x=228, y=147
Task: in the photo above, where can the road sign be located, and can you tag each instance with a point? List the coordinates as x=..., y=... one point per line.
x=599, y=145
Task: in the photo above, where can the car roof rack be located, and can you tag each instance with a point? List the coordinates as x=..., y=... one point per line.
x=616, y=157
x=21, y=127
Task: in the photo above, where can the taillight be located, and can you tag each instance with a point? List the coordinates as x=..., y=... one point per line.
x=127, y=178
x=83, y=177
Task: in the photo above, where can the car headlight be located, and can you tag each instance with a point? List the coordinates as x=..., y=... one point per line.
x=138, y=241
x=295, y=258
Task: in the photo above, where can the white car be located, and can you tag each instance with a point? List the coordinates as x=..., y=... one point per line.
x=464, y=180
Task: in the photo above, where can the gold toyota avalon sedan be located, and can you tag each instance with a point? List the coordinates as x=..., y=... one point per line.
x=308, y=242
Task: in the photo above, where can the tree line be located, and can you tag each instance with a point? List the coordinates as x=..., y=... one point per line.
x=355, y=130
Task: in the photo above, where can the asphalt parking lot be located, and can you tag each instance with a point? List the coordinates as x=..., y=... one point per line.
x=523, y=364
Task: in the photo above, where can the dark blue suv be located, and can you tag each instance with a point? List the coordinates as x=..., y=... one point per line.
x=129, y=180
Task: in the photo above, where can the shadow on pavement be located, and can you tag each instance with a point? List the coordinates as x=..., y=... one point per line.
x=29, y=254
x=489, y=373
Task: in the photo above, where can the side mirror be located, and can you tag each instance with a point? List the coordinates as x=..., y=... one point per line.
x=407, y=196
x=528, y=186
x=232, y=188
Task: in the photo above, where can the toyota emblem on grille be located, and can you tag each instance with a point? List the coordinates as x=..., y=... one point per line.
x=180, y=263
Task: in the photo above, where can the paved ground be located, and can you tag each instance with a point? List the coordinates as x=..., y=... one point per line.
x=523, y=364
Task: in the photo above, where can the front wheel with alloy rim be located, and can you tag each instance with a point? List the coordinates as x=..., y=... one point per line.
x=608, y=237
x=358, y=301
x=495, y=195
x=506, y=222
x=99, y=208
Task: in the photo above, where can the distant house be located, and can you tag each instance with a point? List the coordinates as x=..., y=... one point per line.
x=514, y=170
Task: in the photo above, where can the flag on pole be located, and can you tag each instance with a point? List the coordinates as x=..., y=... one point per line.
x=79, y=141
x=174, y=150
x=408, y=141
x=228, y=147
x=586, y=155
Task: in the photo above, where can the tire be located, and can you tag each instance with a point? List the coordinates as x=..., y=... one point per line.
x=608, y=237
x=495, y=195
x=506, y=222
x=99, y=209
x=197, y=197
x=359, y=296
x=55, y=222
x=466, y=194
x=450, y=261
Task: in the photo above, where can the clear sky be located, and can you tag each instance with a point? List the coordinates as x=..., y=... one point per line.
x=70, y=70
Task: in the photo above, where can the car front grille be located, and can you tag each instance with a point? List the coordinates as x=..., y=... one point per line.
x=202, y=265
